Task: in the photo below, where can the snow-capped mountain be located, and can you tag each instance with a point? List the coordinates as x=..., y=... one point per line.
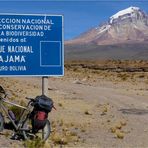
x=132, y=13
x=126, y=26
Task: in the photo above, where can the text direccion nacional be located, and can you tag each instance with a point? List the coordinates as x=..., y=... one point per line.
x=25, y=24
x=25, y=21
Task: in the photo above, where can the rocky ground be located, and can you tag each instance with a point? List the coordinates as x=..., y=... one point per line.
x=95, y=107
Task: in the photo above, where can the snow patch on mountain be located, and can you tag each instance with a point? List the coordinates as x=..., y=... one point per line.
x=124, y=13
x=104, y=28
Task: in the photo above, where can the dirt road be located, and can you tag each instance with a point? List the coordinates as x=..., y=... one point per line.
x=124, y=102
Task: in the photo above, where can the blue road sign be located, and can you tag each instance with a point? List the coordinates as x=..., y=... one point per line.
x=31, y=45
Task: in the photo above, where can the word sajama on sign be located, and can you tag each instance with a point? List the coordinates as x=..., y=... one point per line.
x=12, y=59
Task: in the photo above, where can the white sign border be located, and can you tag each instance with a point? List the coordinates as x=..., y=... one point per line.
x=62, y=47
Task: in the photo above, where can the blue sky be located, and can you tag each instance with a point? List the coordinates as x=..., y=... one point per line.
x=79, y=15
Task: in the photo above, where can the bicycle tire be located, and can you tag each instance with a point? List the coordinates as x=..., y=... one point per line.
x=42, y=134
x=46, y=130
x=1, y=122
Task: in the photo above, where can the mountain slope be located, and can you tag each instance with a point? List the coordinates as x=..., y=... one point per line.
x=124, y=36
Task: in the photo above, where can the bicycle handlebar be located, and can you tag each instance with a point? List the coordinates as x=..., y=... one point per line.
x=31, y=99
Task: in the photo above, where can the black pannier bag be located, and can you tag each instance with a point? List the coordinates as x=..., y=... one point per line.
x=42, y=106
x=43, y=103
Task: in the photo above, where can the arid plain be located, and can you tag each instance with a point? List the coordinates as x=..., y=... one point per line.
x=99, y=104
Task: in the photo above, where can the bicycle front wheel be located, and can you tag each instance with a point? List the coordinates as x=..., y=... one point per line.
x=45, y=132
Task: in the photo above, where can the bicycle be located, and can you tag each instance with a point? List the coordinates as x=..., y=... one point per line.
x=22, y=127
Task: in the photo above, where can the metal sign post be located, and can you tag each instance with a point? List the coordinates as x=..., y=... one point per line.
x=45, y=86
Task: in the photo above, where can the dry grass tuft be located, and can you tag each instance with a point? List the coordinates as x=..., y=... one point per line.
x=113, y=129
x=116, y=129
x=59, y=139
x=60, y=104
x=123, y=123
x=118, y=126
x=36, y=143
x=119, y=134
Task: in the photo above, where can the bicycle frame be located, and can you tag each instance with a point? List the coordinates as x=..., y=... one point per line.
x=23, y=116
x=23, y=126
